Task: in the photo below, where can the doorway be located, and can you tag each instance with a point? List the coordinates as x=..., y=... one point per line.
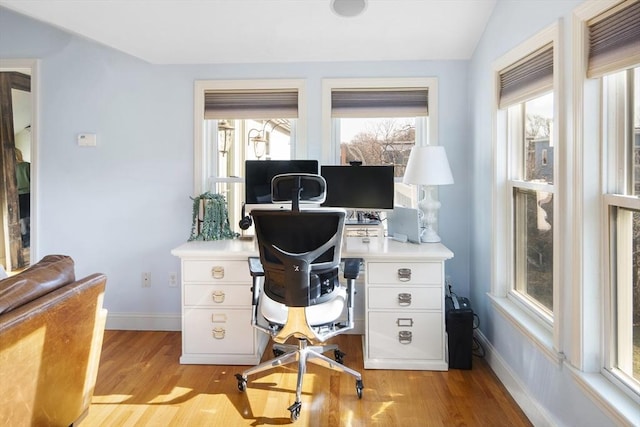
x=17, y=140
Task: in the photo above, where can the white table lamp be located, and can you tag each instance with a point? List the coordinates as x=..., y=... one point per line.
x=428, y=166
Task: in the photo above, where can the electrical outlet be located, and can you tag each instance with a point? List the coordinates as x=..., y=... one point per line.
x=146, y=279
x=173, y=280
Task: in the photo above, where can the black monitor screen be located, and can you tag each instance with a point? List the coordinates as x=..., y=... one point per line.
x=259, y=173
x=359, y=187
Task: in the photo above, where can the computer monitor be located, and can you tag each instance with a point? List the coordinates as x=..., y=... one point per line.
x=259, y=173
x=362, y=188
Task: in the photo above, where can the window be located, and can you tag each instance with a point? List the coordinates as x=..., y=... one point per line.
x=244, y=120
x=532, y=186
x=526, y=101
x=378, y=121
x=621, y=96
x=613, y=63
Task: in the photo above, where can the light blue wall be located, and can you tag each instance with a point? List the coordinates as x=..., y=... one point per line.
x=561, y=400
x=121, y=207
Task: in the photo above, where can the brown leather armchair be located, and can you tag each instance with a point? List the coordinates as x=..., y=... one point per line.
x=51, y=329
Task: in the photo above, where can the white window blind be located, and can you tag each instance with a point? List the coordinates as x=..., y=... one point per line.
x=395, y=102
x=251, y=104
x=614, y=39
x=528, y=78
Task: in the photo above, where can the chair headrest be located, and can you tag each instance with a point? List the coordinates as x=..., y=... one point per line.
x=298, y=188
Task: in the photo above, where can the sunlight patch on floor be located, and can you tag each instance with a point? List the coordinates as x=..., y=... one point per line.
x=383, y=407
x=348, y=419
x=270, y=395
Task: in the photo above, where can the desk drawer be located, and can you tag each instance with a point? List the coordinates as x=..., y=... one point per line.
x=405, y=335
x=218, y=331
x=405, y=297
x=220, y=295
x=427, y=273
x=215, y=271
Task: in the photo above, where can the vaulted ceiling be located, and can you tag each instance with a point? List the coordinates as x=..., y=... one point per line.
x=259, y=31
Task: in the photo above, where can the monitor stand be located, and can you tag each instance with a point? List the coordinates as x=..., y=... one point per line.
x=362, y=218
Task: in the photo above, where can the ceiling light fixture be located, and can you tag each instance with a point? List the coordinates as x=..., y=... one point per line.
x=348, y=8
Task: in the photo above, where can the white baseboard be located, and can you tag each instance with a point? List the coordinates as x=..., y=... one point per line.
x=534, y=411
x=144, y=322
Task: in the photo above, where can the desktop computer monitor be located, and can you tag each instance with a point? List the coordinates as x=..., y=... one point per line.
x=361, y=188
x=259, y=173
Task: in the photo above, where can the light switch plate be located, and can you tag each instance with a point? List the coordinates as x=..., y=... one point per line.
x=87, y=139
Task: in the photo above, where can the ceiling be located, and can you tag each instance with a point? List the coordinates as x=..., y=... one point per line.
x=269, y=31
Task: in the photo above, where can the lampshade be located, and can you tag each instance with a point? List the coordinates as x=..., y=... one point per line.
x=428, y=165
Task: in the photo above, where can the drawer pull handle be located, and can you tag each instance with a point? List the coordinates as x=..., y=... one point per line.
x=406, y=322
x=404, y=299
x=217, y=296
x=404, y=274
x=218, y=333
x=217, y=272
x=405, y=337
x=218, y=318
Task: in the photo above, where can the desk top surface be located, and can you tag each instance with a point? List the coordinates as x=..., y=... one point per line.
x=383, y=248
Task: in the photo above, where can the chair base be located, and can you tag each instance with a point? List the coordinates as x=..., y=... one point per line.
x=301, y=354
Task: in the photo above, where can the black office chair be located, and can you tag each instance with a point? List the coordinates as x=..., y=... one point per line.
x=296, y=286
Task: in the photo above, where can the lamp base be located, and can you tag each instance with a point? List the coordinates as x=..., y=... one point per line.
x=429, y=208
x=429, y=235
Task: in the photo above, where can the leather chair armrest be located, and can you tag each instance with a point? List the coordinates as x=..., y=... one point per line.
x=50, y=350
x=49, y=274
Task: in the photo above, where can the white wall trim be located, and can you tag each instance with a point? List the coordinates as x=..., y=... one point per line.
x=199, y=88
x=608, y=397
x=329, y=150
x=501, y=245
x=144, y=321
x=530, y=406
x=502, y=242
x=34, y=66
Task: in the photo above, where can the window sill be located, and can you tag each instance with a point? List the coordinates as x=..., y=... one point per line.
x=534, y=329
x=613, y=401
x=610, y=398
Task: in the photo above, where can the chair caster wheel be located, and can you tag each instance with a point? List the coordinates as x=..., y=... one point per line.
x=295, y=411
x=242, y=382
x=339, y=356
x=359, y=387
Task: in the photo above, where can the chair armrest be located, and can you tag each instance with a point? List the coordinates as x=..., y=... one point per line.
x=255, y=267
x=352, y=267
x=257, y=271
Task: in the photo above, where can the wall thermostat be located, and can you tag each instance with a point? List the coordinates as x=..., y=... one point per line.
x=87, y=139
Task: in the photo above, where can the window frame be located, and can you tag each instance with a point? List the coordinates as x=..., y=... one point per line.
x=618, y=196
x=200, y=154
x=330, y=133
x=590, y=303
x=542, y=330
x=516, y=180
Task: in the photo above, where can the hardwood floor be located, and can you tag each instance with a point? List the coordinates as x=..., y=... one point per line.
x=141, y=383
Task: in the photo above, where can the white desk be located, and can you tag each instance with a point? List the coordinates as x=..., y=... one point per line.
x=400, y=296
